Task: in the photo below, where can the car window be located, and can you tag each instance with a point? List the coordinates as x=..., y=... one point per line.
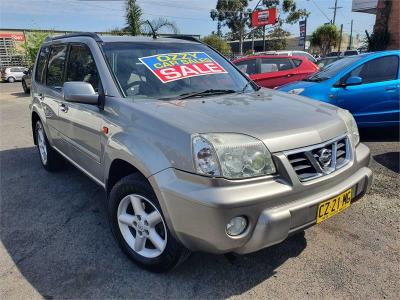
x=14, y=69
x=376, y=70
x=275, y=64
x=247, y=66
x=55, y=68
x=81, y=66
x=297, y=62
x=41, y=65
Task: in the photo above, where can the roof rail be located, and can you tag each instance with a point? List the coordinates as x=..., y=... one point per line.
x=87, y=34
x=183, y=37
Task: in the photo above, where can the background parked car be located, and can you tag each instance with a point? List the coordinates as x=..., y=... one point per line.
x=367, y=85
x=12, y=74
x=323, y=62
x=290, y=53
x=26, y=80
x=350, y=52
x=272, y=70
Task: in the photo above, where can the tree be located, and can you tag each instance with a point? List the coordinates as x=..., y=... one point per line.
x=133, y=17
x=235, y=15
x=32, y=44
x=158, y=25
x=324, y=37
x=137, y=26
x=218, y=43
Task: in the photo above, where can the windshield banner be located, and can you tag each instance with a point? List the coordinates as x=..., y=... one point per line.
x=174, y=66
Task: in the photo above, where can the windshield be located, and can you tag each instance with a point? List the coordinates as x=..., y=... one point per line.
x=166, y=71
x=332, y=69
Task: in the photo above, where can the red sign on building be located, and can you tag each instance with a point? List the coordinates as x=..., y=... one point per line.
x=263, y=17
x=16, y=36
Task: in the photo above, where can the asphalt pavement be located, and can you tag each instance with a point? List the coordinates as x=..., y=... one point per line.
x=56, y=242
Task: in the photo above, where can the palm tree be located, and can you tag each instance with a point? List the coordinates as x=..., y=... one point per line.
x=137, y=26
x=133, y=17
x=158, y=25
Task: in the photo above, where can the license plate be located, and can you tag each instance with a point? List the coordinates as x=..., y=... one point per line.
x=333, y=206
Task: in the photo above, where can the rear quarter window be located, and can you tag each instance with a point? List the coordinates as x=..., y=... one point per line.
x=297, y=62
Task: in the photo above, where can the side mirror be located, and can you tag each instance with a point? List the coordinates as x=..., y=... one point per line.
x=80, y=92
x=353, y=80
x=26, y=72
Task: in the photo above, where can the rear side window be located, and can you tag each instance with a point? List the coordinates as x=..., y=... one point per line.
x=56, y=65
x=377, y=70
x=81, y=66
x=275, y=64
x=41, y=65
x=247, y=66
x=297, y=62
x=14, y=69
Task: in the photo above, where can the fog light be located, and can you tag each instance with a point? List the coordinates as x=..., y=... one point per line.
x=236, y=226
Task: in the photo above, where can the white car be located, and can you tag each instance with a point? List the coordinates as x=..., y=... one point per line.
x=12, y=74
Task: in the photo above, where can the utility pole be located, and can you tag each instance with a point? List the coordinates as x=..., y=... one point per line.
x=340, y=39
x=335, y=8
x=264, y=38
x=351, y=35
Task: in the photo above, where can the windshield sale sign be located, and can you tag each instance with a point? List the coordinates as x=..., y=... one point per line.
x=174, y=66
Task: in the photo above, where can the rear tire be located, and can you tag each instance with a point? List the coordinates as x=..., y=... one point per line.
x=11, y=79
x=139, y=226
x=50, y=159
x=25, y=87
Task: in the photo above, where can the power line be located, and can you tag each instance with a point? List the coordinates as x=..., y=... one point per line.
x=322, y=12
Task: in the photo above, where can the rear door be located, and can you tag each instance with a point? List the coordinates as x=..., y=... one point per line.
x=273, y=72
x=376, y=100
x=50, y=79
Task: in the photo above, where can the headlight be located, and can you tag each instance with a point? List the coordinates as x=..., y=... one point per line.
x=231, y=155
x=351, y=125
x=296, y=91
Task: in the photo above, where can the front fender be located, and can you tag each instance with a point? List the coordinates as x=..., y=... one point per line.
x=144, y=156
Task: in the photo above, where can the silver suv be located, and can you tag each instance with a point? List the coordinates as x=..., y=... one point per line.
x=193, y=156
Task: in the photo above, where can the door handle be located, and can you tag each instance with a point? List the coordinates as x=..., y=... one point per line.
x=391, y=88
x=64, y=107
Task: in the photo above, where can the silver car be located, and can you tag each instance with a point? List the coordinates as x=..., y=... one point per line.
x=12, y=74
x=192, y=155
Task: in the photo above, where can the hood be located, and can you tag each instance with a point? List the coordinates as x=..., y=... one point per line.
x=282, y=121
x=297, y=85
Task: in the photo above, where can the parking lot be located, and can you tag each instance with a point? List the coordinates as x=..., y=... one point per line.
x=56, y=242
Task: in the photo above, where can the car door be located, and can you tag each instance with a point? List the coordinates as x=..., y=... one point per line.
x=81, y=123
x=273, y=72
x=50, y=79
x=376, y=99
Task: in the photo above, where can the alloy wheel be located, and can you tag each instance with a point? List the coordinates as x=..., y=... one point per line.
x=142, y=226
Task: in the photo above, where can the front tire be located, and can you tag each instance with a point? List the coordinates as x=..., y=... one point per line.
x=50, y=159
x=139, y=226
x=11, y=79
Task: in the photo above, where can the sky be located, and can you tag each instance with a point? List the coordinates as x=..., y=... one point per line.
x=191, y=17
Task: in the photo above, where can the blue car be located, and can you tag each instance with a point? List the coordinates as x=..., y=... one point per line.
x=367, y=85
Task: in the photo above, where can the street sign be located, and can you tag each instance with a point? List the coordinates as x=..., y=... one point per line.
x=263, y=17
x=303, y=32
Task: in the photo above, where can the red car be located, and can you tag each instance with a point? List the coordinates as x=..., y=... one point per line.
x=275, y=70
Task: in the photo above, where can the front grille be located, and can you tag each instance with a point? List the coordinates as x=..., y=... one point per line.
x=319, y=160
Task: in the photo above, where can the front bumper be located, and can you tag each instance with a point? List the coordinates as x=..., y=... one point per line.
x=198, y=208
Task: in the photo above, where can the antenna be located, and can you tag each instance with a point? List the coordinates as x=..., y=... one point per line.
x=152, y=29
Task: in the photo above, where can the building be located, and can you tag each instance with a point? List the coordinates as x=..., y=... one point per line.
x=378, y=8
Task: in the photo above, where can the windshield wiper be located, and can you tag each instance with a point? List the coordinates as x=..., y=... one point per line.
x=315, y=79
x=205, y=93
